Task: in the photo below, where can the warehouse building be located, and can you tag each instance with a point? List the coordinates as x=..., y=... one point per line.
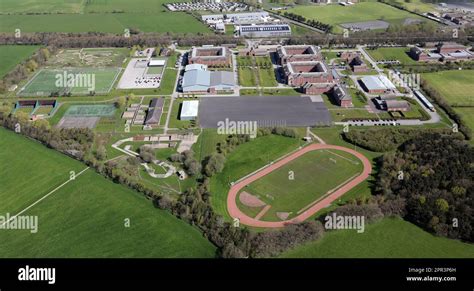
x=189, y=110
x=264, y=30
x=212, y=56
x=299, y=73
x=198, y=80
x=377, y=84
x=298, y=53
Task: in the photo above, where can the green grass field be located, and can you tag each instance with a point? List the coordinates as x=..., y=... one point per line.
x=100, y=110
x=392, y=53
x=388, y=238
x=44, y=82
x=86, y=217
x=364, y=11
x=315, y=174
x=467, y=114
x=455, y=86
x=246, y=77
x=43, y=6
x=12, y=55
x=173, y=22
x=245, y=159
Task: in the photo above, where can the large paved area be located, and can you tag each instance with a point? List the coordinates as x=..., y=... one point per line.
x=267, y=111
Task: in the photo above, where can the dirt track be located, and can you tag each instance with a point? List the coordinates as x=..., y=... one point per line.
x=235, y=212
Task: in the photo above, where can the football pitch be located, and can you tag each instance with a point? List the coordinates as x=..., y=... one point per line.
x=85, y=217
x=44, y=83
x=292, y=188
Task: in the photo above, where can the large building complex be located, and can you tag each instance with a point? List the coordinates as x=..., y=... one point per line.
x=264, y=30
x=198, y=80
x=300, y=73
x=298, y=53
x=448, y=51
x=212, y=56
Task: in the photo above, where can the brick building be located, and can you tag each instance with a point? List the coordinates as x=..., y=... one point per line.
x=211, y=56
x=298, y=53
x=299, y=73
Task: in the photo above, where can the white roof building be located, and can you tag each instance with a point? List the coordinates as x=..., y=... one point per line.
x=189, y=110
x=156, y=63
x=375, y=83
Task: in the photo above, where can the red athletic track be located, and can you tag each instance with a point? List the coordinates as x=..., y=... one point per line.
x=235, y=212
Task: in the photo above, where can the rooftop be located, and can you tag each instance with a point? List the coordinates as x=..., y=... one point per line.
x=307, y=67
x=189, y=109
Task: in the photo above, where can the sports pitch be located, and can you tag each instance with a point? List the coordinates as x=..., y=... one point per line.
x=44, y=82
x=296, y=185
x=102, y=110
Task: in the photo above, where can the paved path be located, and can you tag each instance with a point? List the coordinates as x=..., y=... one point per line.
x=235, y=212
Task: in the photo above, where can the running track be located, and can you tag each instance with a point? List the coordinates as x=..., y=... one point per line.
x=235, y=212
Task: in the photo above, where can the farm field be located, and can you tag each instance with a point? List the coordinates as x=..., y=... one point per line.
x=364, y=11
x=455, y=86
x=174, y=22
x=315, y=174
x=245, y=159
x=44, y=82
x=86, y=217
x=388, y=238
x=44, y=6
x=12, y=55
x=392, y=53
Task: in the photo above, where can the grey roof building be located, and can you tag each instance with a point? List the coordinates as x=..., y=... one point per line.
x=198, y=80
x=154, y=112
x=265, y=30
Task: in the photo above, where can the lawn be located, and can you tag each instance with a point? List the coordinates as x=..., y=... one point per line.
x=86, y=217
x=392, y=53
x=247, y=77
x=44, y=82
x=12, y=55
x=388, y=238
x=207, y=143
x=245, y=159
x=364, y=11
x=455, y=86
x=417, y=6
x=314, y=175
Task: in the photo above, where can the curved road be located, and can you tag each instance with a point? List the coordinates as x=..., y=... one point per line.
x=235, y=212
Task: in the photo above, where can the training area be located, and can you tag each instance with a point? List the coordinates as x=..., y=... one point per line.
x=89, y=57
x=44, y=82
x=84, y=217
x=296, y=186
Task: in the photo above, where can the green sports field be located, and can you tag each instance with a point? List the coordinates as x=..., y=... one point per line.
x=44, y=82
x=456, y=87
x=84, y=218
x=389, y=238
x=304, y=180
x=12, y=55
x=43, y=6
x=96, y=110
x=392, y=53
x=245, y=159
x=364, y=11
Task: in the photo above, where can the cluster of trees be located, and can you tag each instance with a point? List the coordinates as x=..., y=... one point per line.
x=387, y=139
x=433, y=174
x=189, y=162
x=313, y=23
x=22, y=70
x=74, y=142
x=436, y=96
